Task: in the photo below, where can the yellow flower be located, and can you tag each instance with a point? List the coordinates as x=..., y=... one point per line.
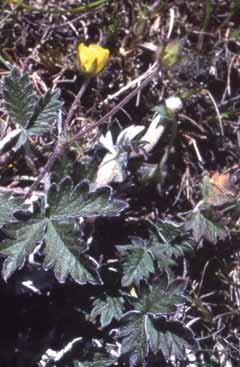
x=93, y=58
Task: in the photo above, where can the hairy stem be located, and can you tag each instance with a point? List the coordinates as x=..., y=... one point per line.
x=62, y=142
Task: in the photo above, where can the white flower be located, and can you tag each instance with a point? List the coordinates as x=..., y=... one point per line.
x=126, y=137
x=174, y=104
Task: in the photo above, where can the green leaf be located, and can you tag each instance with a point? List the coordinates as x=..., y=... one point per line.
x=137, y=261
x=63, y=252
x=45, y=113
x=204, y=228
x=134, y=346
x=146, y=328
x=8, y=205
x=99, y=360
x=22, y=139
x=20, y=97
x=166, y=244
x=206, y=187
x=64, y=249
x=67, y=202
x=34, y=115
x=140, y=332
x=171, y=53
x=17, y=249
x=9, y=140
x=110, y=308
x=161, y=298
x=169, y=337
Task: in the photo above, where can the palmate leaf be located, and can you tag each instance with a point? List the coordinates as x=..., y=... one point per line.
x=141, y=333
x=137, y=261
x=98, y=360
x=67, y=202
x=145, y=328
x=138, y=257
x=45, y=113
x=134, y=344
x=20, y=97
x=169, y=337
x=204, y=228
x=108, y=309
x=8, y=205
x=62, y=252
x=55, y=227
x=166, y=253
x=161, y=297
x=34, y=115
x=17, y=249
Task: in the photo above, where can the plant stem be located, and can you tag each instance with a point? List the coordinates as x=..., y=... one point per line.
x=62, y=141
x=116, y=108
x=19, y=191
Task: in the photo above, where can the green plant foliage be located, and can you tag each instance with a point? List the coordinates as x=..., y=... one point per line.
x=45, y=113
x=20, y=97
x=145, y=328
x=108, y=309
x=167, y=244
x=23, y=243
x=137, y=261
x=204, y=228
x=54, y=227
x=8, y=205
x=161, y=297
x=170, y=337
x=133, y=338
x=68, y=202
x=171, y=53
x=140, y=256
x=63, y=254
x=34, y=115
x=99, y=360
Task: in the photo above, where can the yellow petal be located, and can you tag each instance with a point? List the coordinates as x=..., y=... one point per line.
x=93, y=58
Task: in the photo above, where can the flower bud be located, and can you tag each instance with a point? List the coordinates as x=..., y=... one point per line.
x=93, y=58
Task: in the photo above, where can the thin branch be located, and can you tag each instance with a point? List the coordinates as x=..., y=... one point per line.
x=216, y=109
x=119, y=106
x=62, y=142
x=19, y=191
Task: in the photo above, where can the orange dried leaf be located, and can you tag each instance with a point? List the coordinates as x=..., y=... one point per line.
x=221, y=183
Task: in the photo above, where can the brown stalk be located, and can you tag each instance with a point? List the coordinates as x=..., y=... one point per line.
x=63, y=142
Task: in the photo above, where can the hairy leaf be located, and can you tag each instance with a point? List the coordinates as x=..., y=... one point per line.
x=134, y=346
x=204, y=228
x=167, y=252
x=99, y=360
x=20, y=97
x=45, y=113
x=63, y=255
x=67, y=202
x=161, y=297
x=10, y=139
x=17, y=249
x=110, y=308
x=34, y=115
x=146, y=328
x=64, y=250
x=137, y=261
x=169, y=337
x=8, y=206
